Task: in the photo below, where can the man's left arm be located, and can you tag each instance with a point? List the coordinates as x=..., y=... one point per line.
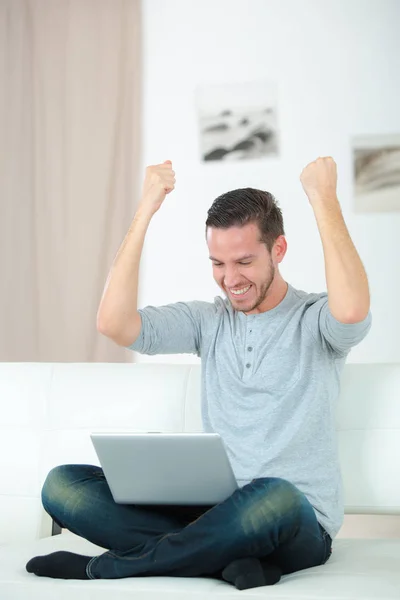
x=347, y=282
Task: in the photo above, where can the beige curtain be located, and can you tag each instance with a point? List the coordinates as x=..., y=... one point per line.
x=69, y=152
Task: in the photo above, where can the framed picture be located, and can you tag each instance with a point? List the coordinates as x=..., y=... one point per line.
x=237, y=121
x=376, y=160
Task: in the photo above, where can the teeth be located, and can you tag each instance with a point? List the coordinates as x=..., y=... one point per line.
x=239, y=292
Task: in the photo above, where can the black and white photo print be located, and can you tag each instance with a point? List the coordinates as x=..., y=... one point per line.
x=237, y=121
x=376, y=173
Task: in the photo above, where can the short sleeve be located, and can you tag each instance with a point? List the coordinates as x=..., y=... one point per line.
x=174, y=328
x=334, y=334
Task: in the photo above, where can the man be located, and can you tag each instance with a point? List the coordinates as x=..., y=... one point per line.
x=271, y=363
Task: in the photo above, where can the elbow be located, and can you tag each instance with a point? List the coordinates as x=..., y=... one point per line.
x=125, y=334
x=354, y=317
x=357, y=317
x=105, y=327
x=350, y=313
x=360, y=313
x=101, y=324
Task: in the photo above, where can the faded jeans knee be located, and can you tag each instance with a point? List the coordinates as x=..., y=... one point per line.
x=272, y=510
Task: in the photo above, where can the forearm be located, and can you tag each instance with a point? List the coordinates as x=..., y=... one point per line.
x=118, y=304
x=347, y=282
x=117, y=316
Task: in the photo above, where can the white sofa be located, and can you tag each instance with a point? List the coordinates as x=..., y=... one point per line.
x=48, y=411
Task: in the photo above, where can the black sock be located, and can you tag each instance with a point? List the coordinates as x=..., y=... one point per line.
x=247, y=573
x=59, y=565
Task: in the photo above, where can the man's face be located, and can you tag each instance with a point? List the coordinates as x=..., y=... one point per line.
x=242, y=266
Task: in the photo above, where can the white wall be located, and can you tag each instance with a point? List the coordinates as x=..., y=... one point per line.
x=337, y=65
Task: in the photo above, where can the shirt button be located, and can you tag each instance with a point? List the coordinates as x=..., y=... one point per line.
x=248, y=366
x=249, y=348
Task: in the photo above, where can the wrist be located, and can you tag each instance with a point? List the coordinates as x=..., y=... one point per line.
x=143, y=213
x=324, y=201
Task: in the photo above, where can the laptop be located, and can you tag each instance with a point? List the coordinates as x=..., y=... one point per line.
x=165, y=468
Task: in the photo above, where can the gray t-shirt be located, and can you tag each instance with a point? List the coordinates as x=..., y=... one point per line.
x=269, y=385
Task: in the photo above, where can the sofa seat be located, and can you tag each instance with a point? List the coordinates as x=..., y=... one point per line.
x=362, y=569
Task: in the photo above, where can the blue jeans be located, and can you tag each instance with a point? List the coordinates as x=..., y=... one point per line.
x=268, y=518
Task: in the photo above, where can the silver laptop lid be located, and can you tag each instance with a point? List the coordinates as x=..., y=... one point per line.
x=165, y=468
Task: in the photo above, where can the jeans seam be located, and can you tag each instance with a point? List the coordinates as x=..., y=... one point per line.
x=88, y=568
x=131, y=558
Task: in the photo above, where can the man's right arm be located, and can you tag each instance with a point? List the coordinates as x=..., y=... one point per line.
x=117, y=316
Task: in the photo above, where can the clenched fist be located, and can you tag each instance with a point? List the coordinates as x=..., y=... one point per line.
x=159, y=181
x=319, y=179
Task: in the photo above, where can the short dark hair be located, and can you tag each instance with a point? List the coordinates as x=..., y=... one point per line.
x=247, y=205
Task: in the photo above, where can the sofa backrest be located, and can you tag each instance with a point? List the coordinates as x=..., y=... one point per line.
x=49, y=409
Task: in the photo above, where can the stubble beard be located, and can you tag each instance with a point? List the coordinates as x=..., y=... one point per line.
x=263, y=291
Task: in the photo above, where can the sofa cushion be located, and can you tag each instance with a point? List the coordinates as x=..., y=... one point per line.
x=357, y=569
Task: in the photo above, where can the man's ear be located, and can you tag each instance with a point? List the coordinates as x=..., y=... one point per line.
x=280, y=248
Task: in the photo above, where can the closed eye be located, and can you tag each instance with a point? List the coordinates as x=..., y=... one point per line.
x=239, y=262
